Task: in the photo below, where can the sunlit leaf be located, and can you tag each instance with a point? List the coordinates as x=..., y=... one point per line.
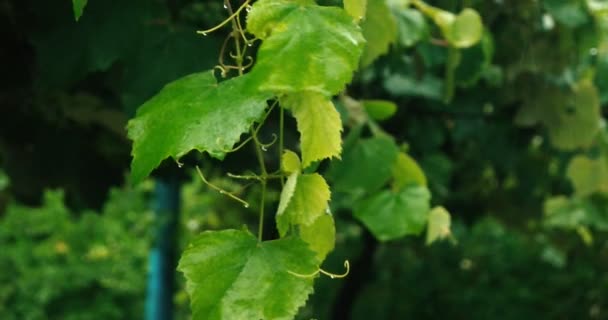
x=406, y=171
x=356, y=8
x=307, y=202
x=588, y=175
x=305, y=47
x=439, y=225
x=230, y=275
x=379, y=109
x=290, y=162
x=320, y=235
x=319, y=125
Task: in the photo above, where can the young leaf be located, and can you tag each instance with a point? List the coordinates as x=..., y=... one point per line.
x=379, y=109
x=439, y=225
x=466, y=30
x=588, y=175
x=320, y=235
x=192, y=113
x=78, y=6
x=307, y=202
x=230, y=275
x=306, y=47
x=319, y=124
x=390, y=215
x=290, y=162
x=379, y=29
x=406, y=171
x=356, y=8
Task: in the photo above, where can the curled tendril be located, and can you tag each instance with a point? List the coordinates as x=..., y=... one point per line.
x=223, y=23
x=269, y=144
x=220, y=190
x=238, y=147
x=329, y=274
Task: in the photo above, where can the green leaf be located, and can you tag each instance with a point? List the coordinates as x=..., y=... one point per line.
x=319, y=125
x=571, y=117
x=78, y=6
x=390, y=215
x=439, y=225
x=290, y=162
x=230, y=275
x=562, y=212
x=305, y=47
x=356, y=8
x=379, y=109
x=304, y=204
x=320, y=235
x=366, y=167
x=406, y=171
x=466, y=30
x=379, y=29
x=192, y=113
x=588, y=175
x=411, y=26
x=571, y=13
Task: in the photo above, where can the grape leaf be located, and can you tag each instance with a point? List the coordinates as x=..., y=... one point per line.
x=571, y=117
x=390, y=215
x=365, y=167
x=307, y=202
x=319, y=125
x=306, y=47
x=379, y=109
x=379, y=29
x=439, y=225
x=356, y=8
x=411, y=26
x=320, y=235
x=78, y=6
x=192, y=113
x=290, y=162
x=466, y=30
x=407, y=172
x=230, y=275
x=588, y=175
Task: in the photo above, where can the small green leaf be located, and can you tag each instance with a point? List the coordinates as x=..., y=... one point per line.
x=438, y=227
x=319, y=125
x=379, y=109
x=365, y=167
x=306, y=47
x=192, y=113
x=390, y=215
x=320, y=235
x=588, y=175
x=571, y=117
x=406, y=171
x=230, y=275
x=411, y=26
x=78, y=6
x=466, y=30
x=356, y=8
x=290, y=162
x=307, y=201
x=379, y=29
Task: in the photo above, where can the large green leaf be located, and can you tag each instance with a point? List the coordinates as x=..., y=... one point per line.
x=230, y=275
x=379, y=29
x=306, y=47
x=390, y=215
x=192, y=113
x=303, y=200
x=319, y=124
x=365, y=167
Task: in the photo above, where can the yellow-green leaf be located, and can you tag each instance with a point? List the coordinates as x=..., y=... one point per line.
x=379, y=29
x=588, y=175
x=406, y=171
x=320, y=235
x=319, y=125
x=290, y=162
x=356, y=8
x=466, y=30
x=379, y=109
x=307, y=201
x=438, y=227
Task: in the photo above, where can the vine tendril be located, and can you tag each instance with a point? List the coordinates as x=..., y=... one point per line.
x=329, y=274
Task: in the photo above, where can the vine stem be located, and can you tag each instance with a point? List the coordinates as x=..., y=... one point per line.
x=263, y=179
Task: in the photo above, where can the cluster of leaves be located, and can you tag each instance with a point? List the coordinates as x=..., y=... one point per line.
x=57, y=264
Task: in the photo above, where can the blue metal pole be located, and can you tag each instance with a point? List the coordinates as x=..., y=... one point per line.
x=163, y=256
